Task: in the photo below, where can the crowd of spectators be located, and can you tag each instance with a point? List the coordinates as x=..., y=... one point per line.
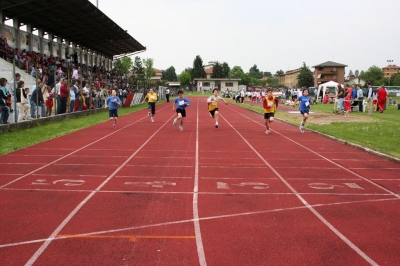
x=64, y=84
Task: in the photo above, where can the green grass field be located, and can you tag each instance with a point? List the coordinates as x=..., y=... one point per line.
x=382, y=135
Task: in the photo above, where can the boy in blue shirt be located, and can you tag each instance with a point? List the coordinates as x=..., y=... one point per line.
x=113, y=102
x=305, y=101
x=180, y=103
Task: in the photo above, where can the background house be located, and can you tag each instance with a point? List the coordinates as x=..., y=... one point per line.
x=329, y=71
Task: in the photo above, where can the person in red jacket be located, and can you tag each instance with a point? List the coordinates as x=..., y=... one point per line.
x=64, y=93
x=270, y=103
x=382, y=96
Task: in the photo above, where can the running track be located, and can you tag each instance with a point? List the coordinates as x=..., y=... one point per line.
x=147, y=194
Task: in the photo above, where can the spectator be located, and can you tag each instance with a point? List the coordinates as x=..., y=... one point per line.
x=360, y=98
x=4, y=95
x=64, y=93
x=49, y=100
x=37, y=100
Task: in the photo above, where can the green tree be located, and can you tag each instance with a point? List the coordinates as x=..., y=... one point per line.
x=279, y=72
x=217, y=71
x=198, y=68
x=149, y=71
x=395, y=80
x=305, y=77
x=273, y=82
x=255, y=72
x=122, y=66
x=236, y=72
x=374, y=75
x=225, y=70
x=185, y=78
x=137, y=71
x=267, y=74
x=170, y=74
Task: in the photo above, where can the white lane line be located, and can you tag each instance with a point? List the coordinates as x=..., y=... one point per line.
x=192, y=220
x=197, y=231
x=80, y=205
x=317, y=214
x=155, y=177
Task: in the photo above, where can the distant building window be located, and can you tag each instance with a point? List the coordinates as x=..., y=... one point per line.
x=229, y=84
x=206, y=84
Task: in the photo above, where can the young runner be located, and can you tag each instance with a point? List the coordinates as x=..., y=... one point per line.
x=180, y=103
x=270, y=103
x=151, y=99
x=113, y=102
x=213, y=105
x=305, y=101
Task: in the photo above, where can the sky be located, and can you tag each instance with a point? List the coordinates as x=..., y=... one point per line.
x=273, y=35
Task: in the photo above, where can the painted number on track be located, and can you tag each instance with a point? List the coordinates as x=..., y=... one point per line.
x=66, y=182
x=156, y=184
x=325, y=186
x=254, y=185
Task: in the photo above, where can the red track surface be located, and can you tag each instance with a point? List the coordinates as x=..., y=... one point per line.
x=147, y=194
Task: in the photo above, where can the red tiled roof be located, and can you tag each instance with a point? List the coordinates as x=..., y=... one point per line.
x=209, y=70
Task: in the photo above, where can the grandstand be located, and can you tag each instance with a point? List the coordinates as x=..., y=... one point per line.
x=74, y=37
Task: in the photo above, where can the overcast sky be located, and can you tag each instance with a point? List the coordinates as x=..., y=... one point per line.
x=273, y=35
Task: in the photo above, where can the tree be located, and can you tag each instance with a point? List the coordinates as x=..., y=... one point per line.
x=149, y=71
x=279, y=72
x=236, y=72
x=395, y=80
x=185, y=78
x=170, y=74
x=305, y=77
x=217, y=70
x=122, y=66
x=374, y=75
x=137, y=71
x=225, y=70
x=351, y=74
x=273, y=82
x=267, y=74
x=255, y=72
x=198, y=68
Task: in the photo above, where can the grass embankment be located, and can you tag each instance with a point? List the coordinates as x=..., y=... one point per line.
x=15, y=140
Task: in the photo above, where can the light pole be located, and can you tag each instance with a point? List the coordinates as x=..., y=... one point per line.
x=389, y=61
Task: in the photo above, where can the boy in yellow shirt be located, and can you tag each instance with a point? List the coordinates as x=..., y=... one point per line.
x=213, y=105
x=151, y=99
x=270, y=103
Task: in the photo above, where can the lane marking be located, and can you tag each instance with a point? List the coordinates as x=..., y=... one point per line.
x=131, y=238
x=196, y=221
x=80, y=205
x=312, y=209
x=192, y=220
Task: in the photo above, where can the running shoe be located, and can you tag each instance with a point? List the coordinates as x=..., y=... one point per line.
x=268, y=131
x=152, y=120
x=180, y=128
x=301, y=127
x=114, y=126
x=174, y=123
x=216, y=125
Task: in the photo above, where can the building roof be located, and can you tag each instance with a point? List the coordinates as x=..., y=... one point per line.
x=215, y=79
x=391, y=66
x=209, y=70
x=330, y=64
x=79, y=21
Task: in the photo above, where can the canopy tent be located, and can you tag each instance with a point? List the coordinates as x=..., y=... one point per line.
x=329, y=86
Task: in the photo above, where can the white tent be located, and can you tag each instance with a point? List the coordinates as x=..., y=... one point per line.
x=328, y=87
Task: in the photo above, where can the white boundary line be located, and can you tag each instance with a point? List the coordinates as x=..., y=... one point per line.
x=197, y=231
x=80, y=205
x=312, y=209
